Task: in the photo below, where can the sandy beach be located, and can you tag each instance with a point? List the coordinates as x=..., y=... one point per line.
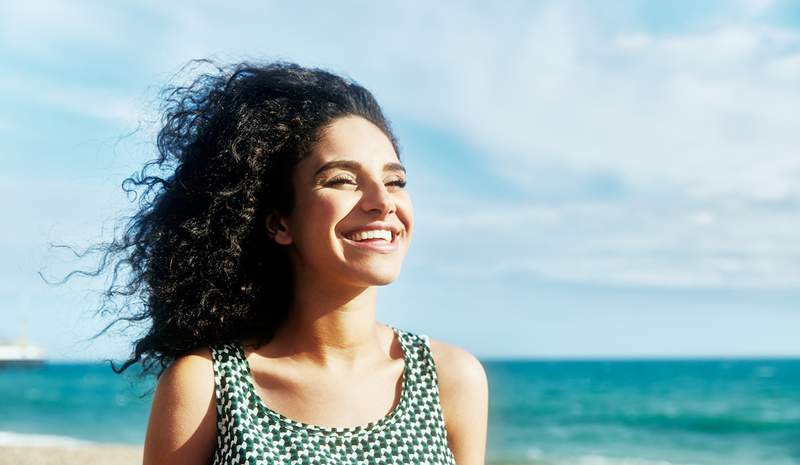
x=77, y=455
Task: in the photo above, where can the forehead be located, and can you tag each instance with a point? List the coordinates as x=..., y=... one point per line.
x=354, y=138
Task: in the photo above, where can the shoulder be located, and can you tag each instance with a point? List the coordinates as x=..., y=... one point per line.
x=196, y=363
x=464, y=397
x=455, y=367
x=191, y=376
x=182, y=424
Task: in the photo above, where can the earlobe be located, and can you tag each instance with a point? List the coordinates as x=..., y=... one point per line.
x=278, y=230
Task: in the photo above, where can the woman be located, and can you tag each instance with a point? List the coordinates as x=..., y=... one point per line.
x=260, y=256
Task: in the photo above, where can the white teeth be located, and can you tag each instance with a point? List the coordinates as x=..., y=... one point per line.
x=384, y=234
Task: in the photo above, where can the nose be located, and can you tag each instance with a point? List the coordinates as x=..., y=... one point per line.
x=377, y=199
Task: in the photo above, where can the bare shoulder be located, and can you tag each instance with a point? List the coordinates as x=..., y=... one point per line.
x=464, y=397
x=182, y=424
x=189, y=377
x=457, y=368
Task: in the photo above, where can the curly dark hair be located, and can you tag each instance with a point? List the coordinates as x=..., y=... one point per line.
x=202, y=267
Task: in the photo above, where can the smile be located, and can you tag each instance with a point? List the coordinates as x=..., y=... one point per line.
x=358, y=236
x=378, y=240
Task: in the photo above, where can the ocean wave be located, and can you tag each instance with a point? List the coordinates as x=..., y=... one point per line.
x=536, y=456
x=9, y=438
x=719, y=424
x=605, y=460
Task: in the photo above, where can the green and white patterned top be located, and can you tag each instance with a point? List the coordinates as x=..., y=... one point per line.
x=249, y=432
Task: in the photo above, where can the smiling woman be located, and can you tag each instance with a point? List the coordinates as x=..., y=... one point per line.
x=257, y=262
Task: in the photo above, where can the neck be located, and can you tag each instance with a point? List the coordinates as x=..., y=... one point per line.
x=330, y=326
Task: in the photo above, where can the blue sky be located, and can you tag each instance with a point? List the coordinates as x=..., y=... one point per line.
x=590, y=179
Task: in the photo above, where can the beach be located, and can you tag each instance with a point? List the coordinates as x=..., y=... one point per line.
x=73, y=455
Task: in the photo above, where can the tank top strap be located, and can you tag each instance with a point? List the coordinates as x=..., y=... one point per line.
x=230, y=369
x=426, y=411
x=422, y=368
x=233, y=404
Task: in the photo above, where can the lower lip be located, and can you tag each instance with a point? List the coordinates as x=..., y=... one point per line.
x=375, y=246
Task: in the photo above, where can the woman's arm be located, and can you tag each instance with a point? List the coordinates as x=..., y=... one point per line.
x=182, y=426
x=464, y=395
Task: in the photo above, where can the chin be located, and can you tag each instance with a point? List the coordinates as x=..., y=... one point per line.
x=383, y=282
x=377, y=277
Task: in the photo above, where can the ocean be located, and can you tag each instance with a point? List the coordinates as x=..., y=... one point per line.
x=567, y=412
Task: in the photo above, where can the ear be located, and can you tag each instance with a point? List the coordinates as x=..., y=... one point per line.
x=278, y=229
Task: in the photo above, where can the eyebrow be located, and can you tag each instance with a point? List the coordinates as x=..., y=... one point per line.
x=354, y=165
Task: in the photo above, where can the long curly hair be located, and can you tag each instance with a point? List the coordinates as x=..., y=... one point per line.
x=202, y=268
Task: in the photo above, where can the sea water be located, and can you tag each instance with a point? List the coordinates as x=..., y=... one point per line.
x=590, y=412
x=645, y=412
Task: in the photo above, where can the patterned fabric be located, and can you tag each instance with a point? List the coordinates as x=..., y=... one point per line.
x=248, y=432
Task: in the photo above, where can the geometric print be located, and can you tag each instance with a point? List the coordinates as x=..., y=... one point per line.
x=249, y=432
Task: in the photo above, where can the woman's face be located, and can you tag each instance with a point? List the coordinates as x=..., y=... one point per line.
x=352, y=182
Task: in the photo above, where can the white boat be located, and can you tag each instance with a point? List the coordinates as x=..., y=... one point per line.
x=20, y=354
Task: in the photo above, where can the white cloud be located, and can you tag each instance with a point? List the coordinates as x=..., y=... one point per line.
x=755, y=7
x=786, y=69
x=85, y=100
x=635, y=242
x=696, y=111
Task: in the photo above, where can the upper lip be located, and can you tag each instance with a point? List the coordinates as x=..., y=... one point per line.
x=373, y=226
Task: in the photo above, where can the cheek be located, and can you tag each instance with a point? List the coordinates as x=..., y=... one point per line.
x=405, y=214
x=324, y=212
x=405, y=210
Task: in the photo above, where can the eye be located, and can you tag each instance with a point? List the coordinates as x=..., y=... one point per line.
x=340, y=180
x=399, y=183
